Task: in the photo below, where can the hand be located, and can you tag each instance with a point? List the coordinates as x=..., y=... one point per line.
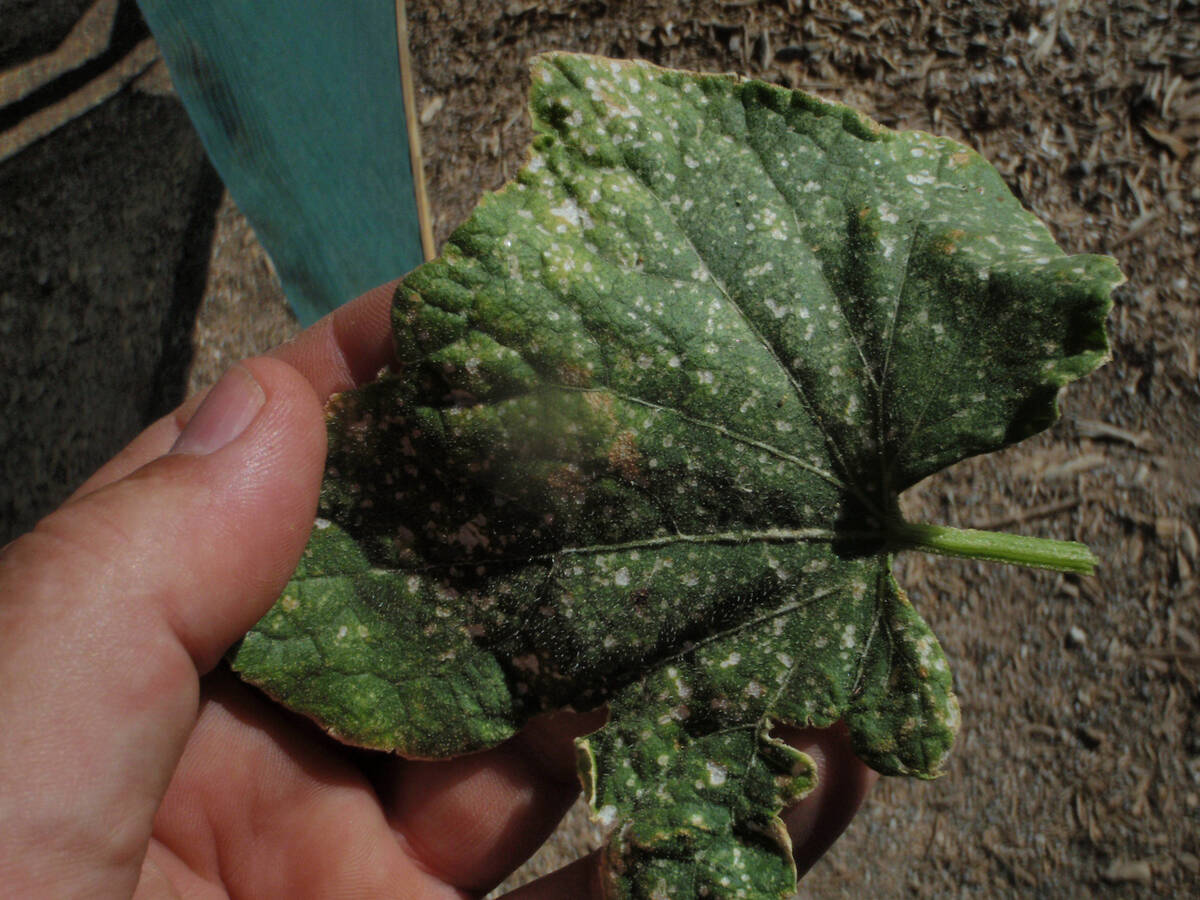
x=128, y=765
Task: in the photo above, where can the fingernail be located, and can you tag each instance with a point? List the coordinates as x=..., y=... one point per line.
x=229, y=407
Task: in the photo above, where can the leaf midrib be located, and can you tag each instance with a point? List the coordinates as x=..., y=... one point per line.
x=731, y=538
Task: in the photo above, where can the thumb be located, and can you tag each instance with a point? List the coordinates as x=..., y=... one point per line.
x=112, y=608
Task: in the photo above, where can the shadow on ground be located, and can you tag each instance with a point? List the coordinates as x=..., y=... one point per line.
x=106, y=226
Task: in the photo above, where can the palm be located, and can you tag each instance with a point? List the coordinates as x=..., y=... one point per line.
x=263, y=806
x=258, y=807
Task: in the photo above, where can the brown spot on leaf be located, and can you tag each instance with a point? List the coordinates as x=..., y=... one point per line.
x=639, y=602
x=573, y=375
x=624, y=457
x=567, y=482
x=599, y=401
x=528, y=662
x=948, y=242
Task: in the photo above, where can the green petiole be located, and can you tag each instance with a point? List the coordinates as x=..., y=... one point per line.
x=967, y=543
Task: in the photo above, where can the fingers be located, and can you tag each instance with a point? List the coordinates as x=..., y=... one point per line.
x=145, y=576
x=474, y=819
x=580, y=881
x=259, y=808
x=843, y=781
x=346, y=348
x=111, y=607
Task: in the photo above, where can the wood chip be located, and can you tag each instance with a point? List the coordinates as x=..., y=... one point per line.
x=1073, y=467
x=1141, y=224
x=1103, y=431
x=1178, y=147
x=432, y=108
x=1124, y=871
x=1163, y=655
x=1168, y=528
x=1027, y=514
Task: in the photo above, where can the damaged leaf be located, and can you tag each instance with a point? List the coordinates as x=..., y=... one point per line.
x=652, y=410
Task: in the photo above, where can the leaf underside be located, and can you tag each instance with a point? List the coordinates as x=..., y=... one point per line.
x=651, y=413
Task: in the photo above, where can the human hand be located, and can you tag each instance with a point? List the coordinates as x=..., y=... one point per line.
x=131, y=764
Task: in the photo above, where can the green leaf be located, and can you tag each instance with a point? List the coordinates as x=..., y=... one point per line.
x=652, y=411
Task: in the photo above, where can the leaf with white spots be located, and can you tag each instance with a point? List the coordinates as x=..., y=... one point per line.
x=642, y=446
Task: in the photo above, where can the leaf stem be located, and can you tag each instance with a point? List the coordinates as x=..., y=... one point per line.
x=1040, y=553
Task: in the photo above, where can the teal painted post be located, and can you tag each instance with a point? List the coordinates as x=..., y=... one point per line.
x=299, y=105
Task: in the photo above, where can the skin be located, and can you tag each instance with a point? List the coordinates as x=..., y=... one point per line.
x=132, y=764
